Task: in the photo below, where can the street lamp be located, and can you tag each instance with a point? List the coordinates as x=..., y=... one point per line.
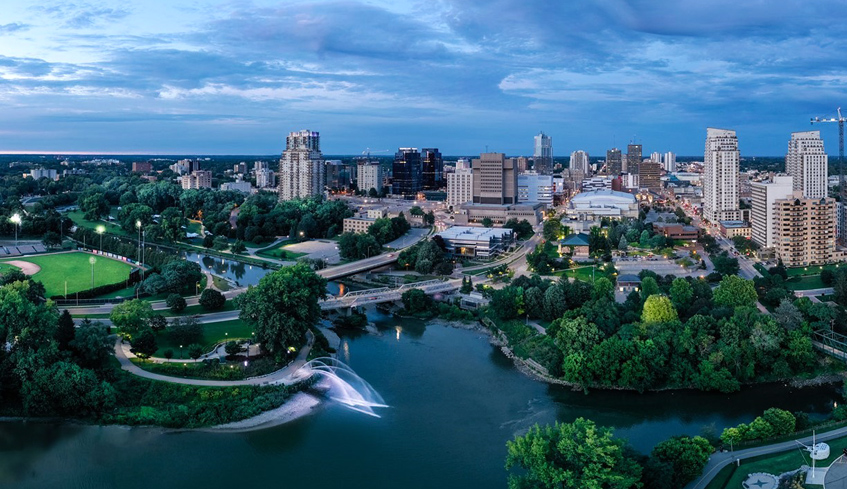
x=92, y=260
x=16, y=220
x=100, y=230
x=138, y=225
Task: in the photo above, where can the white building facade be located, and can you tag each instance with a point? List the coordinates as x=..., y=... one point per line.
x=669, y=162
x=460, y=186
x=720, y=176
x=370, y=176
x=580, y=161
x=762, y=213
x=806, y=161
x=533, y=187
x=301, y=168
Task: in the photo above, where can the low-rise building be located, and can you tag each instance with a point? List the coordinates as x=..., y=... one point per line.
x=576, y=244
x=676, y=231
x=197, y=179
x=142, y=166
x=356, y=224
x=596, y=204
x=533, y=187
x=731, y=229
x=499, y=214
x=477, y=242
x=238, y=186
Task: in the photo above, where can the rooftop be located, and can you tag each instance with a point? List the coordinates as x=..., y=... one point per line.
x=580, y=239
x=474, y=233
x=734, y=224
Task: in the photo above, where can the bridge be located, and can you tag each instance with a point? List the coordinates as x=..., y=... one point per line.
x=831, y=343
x=386, y=294
x=359, y=266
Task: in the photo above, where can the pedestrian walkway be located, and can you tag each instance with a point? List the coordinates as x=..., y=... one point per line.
x=283, y=376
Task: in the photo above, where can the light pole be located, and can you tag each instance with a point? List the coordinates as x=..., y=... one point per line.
x=138, y=225
x=92, y=260
x=100, y=230
x=16, y=220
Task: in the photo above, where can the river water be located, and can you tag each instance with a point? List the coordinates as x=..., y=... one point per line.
x=455, y=401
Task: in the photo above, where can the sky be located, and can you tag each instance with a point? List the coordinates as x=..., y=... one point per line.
x=234, y=77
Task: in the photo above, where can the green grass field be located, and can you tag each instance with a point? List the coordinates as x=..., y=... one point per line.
x=6, y=268
x=213, y=333
x=76, y=270
x=111, y=227
x=584, y=274
x=278, y=252
x=804, y=282
x=815, y=270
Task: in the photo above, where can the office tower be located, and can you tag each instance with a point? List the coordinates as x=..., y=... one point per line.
x=656, y=157
x=720, y=176
x=406, y=172
x=495, y=179
x=533, y=187
x=804, y=230
x=580, y=161
x=543, y=154
x=301, y=168
x=614, y=162
x=370, y=176
x=762, y=213
x=338, y=174
x=670, y=162
x=432, y=168
x=460, y=185
x=650, y=176
x=806, y=161
x=240, y=168
x=633, y=158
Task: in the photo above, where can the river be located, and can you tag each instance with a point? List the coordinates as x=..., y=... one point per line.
x=455, y=401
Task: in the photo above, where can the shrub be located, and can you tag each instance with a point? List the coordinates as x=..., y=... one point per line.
x=176, y=303
x=212, y=300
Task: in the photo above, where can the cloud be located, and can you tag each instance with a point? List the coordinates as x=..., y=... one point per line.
x=82, y=15
x=13, y=28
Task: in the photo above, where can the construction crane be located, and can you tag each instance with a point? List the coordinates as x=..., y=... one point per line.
x=840, y=120
x=368, y=152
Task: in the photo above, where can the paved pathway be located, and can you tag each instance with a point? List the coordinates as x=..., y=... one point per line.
x=720, y=460
x=282, y=376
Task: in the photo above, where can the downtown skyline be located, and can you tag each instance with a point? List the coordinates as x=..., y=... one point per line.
x=228, y=78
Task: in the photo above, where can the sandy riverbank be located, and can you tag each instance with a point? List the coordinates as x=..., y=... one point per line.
x=301, y=404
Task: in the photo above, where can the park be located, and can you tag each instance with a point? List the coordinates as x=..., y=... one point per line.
x=71, y=272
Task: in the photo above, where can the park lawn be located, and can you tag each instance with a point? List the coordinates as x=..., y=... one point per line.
x=584, y=274
x=213, y=333
x=229, y=305
x=278, y=252
x=5, y=267
x=194, y=227
x=76, y=270
x=815, y=270
x=111, y=227
x=804, y=282
x=221, y=284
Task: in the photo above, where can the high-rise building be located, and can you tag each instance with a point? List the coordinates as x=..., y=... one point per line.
x=240, y=168
x=533, y=187
x=523, y=163
x=197, y=179
x=543, y=154
x=806, y=161
x=633, y=158
x=580, y=162
x=370, y=176
x=720, y=176
x=432, y=168
x=337, y=174
x=406, y=172
x=762, y=212
x=460, y=185
x=301, y=168
x=495, y=179
x=650, y=175
x=614, y=162
x=656, y=157
x=142, y=166
x=265, y=178
x=804, y=230
x=670, y=162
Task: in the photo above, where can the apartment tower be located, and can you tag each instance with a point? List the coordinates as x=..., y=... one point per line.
x=301, y=168
x=720, y=176
x=806, y=161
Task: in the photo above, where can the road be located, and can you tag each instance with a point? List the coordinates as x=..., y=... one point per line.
x=285, y=375
x=720, y=460
x=214, y=317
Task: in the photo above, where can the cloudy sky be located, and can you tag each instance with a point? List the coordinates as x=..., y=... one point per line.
x=203, y=76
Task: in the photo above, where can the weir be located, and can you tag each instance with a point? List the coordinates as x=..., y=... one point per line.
x=345, y=386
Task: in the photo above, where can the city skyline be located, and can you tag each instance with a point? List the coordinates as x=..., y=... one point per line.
x=224, y=78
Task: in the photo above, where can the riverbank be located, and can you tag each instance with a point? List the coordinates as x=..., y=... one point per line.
x=300, y=405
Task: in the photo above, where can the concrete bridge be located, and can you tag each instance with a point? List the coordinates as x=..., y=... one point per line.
x=386, y=294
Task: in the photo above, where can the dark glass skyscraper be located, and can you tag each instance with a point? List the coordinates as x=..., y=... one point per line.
x=432, y=169
x=614, y=162
x=406, y=172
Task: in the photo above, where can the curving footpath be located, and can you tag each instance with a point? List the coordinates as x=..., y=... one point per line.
x=282, y=376
x=720, y=460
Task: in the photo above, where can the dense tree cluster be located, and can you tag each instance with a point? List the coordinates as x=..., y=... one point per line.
x=773, y=422
x=263, y=217
x=426, y=257
x=522, y=228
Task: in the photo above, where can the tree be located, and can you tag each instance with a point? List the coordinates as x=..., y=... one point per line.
x=65, y=388
x=212, y=300
x=552, y=230
x=649, y=287
x=687, y=456
x=782, y=421
x=681, y=293
x=734, y=291
x=603, y=287
x=185, y=331
x=158, y=322
x=65, y=331
x=92, y=345
x=176, y=303
x=181, y=275
x=233, y=348
x=725, y=265
x=208, y=241
x=220, y=243
x=93, y=205
x=644, y=238
x=416, y=301
x=195, y=351
x=172, y=224
x=131, y=316
x=787, y=315
x=144, y=345
x=623, y=244
x=283, y=306
x=51, y=239
x=487, y=222
x=238, y=247
x=169, y=353
x=576, y=455
x=658, y=309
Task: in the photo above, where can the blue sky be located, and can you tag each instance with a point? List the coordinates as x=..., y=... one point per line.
x=202, y=76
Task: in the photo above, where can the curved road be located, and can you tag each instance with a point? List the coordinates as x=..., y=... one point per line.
x=282, y=376
x=720, y=460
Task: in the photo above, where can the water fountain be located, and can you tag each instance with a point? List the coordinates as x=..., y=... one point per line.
x=344, y=385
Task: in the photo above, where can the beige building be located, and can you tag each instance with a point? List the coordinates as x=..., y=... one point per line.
x=650, y=176
x=495, y=179
x=370, y=176
x=197, y=179
x=806, y=161
x=731, y=229
x=357, y=224
x=804, y=230
x=302, y=172
x=720, y=176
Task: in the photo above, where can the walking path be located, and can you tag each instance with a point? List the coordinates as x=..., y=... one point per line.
x=720, y=460
x=285, y=375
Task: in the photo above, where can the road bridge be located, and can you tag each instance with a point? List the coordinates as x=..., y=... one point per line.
x=386, y=294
